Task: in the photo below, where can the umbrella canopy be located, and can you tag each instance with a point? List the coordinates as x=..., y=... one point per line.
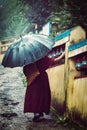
x=27, y=50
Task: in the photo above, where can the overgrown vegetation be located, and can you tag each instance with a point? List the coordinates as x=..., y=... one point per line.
x=12, y=18
x=18, y=16
x=23, y=78
x=66, y=13
x=65, y=121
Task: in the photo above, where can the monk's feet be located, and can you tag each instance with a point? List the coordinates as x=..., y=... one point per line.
x=38, y=117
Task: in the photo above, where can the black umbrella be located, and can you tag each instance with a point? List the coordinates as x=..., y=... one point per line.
x=27, y=50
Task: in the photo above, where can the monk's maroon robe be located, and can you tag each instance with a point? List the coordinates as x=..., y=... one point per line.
x=38, y=95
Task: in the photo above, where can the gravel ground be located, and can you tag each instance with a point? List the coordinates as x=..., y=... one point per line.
x=12, y=117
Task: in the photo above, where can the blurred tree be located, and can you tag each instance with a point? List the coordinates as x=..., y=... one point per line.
x=17, y=16
x=78, y=9
x=66, y=13
x=39, y=11
x=12, y=18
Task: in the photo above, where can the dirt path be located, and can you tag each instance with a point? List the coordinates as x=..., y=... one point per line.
x=11, y=105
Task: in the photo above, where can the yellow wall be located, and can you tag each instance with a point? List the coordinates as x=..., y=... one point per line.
x=79, y=98
x=56, y=80
x=64, y=86
x=76, y=88
x=77, y=34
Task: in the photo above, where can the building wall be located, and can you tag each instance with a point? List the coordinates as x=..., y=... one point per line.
x=68, y=86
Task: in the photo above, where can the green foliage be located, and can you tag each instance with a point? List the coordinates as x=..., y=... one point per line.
x=12, y=20
x=59, y=119
x=66, y=13
x=69, y=13
x=23, y=78
x=65, y=121
x=17, y=16
x=78, y=10
x=38, y=11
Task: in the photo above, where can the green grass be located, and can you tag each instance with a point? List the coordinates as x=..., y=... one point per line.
x=65, y=121
x=23, y=78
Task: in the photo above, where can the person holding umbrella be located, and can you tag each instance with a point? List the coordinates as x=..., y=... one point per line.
x=30, y=51
x=38, y=95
